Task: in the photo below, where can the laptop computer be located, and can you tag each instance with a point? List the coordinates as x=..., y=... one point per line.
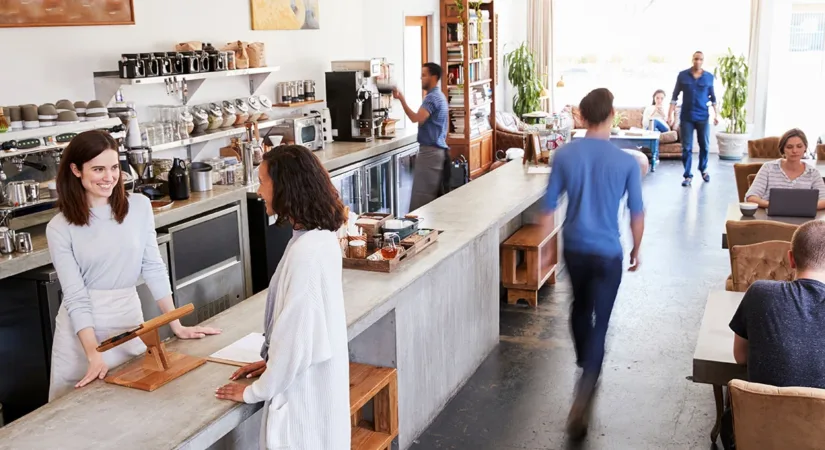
x=793, y=202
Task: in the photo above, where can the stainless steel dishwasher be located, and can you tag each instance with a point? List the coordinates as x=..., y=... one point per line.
x=206, y=263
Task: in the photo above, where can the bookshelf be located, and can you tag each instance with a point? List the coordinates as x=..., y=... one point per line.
x=468, y=55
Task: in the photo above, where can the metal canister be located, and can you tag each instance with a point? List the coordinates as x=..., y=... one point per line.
x=309, y=90
x=300, y=86
x=23, y=242
x=7, y=238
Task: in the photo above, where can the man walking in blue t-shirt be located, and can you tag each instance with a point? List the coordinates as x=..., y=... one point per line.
x=696, y=87
x=595, y=175
x=433, y=153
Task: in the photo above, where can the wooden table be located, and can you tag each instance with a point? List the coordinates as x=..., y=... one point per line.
x=734, y=214
x=713, y=361
x=649, y=139
x=811, y=162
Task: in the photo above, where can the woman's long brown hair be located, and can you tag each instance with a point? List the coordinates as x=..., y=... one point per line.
x=71, y=195
x=303, y=192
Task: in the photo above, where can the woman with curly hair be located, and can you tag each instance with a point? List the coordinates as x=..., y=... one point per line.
x=304, y=373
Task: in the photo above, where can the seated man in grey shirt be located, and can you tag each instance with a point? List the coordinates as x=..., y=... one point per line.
x=779, y=325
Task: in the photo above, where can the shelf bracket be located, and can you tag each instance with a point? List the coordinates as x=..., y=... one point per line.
x=192, y=87
x=105, y=89
x=256, y=80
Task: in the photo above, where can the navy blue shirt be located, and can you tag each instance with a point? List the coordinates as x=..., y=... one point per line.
x=433, y=131
x=595, y=174
x=783, y=323
x=696, y=93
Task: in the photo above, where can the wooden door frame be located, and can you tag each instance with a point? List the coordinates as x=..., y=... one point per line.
x=423, y=22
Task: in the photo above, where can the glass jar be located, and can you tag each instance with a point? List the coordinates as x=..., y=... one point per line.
x=241, y=111
x=266, y=108
x=254, y=109
x=229, y=115
x=392, y=246
x=215, y=116
x=200, y=119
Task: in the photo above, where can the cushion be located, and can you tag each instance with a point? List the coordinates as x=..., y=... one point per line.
x=669, y=137
x=507, y=121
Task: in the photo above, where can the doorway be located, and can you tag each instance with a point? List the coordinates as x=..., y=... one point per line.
x=416, y=53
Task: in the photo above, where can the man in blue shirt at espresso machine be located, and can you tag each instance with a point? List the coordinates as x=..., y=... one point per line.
x=432, y=161
x=596, y=175
x=696, y=87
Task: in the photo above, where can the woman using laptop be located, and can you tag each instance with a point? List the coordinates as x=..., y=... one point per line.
x=789, y=172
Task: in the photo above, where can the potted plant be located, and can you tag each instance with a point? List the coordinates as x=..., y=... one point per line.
x=522, y=73
x=733, y=73
x=617, y=120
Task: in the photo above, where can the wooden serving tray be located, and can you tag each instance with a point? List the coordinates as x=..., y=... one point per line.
x=387, y=266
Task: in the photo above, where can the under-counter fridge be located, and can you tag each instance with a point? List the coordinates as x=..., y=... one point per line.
x=29, y=303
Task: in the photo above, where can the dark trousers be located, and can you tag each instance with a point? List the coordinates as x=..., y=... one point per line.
x=595, y=281
x=427, y=175
x=686, y=129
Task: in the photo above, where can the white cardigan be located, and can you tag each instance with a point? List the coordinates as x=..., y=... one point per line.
x=306, y=382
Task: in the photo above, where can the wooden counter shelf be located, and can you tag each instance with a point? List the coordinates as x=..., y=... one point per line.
x=539, y=246
x=379, y=385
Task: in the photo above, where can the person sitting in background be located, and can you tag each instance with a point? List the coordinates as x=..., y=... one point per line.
x=656, y=112
x=778, y=326
x=788, y=172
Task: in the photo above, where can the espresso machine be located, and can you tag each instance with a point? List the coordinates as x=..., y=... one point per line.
x=349, y=98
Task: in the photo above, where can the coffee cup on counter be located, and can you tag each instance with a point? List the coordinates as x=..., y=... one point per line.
x=23, y=242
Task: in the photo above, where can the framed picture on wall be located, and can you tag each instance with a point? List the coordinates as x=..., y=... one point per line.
x=285, y=15
x=60, y=13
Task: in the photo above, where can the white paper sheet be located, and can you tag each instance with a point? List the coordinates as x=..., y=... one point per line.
x=245, y=350
x=538, y=169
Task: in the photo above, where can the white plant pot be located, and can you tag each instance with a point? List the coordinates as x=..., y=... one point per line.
x=732, y=146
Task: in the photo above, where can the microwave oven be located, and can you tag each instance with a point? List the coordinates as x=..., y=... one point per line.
x=303, y=130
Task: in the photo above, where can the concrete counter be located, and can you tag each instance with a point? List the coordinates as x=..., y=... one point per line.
x=435, y=319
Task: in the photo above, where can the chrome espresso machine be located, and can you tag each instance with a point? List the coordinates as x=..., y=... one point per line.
x=359, y=96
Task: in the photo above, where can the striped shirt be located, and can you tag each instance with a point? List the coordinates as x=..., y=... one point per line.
x=433, y=131
x=771, y=176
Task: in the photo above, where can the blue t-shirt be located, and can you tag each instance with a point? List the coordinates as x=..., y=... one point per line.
x=433, y=131
x=595, y=174
x=696, y=94
x=783, y=323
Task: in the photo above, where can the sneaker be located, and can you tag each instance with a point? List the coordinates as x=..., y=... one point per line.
x=686, y=182
x=706, y=177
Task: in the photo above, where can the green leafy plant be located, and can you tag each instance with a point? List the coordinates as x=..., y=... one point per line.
x=617, y=119
x=479, y=31
x=522, y=73
x=459, y=6
x=733, y=73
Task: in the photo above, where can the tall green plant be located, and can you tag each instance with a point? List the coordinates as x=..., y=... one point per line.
x=522, y=73
x=733, y=73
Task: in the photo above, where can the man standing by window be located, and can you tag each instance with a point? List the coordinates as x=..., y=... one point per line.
x=433, y=155
x=696, y=87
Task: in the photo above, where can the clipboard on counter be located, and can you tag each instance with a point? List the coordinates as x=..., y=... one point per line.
x=245, y=350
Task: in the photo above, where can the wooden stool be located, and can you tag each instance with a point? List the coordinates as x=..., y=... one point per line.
x=539, y=246
x=379, y=384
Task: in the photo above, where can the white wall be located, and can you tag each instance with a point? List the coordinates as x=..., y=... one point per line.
x=58, y=62
x=512, y=30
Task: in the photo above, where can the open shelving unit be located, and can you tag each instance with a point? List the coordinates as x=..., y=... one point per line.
x=468, y=49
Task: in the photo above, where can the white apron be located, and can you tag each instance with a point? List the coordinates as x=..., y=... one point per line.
x=114, y=312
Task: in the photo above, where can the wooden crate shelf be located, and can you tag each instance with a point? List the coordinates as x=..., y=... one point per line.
x=379, y=385
x=538, y=247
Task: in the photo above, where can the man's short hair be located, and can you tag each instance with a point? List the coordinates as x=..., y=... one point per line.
x=434, y=69
x=596, y=106
x=808, y=246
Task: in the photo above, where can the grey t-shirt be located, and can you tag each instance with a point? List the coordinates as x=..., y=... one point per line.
x=784, y=323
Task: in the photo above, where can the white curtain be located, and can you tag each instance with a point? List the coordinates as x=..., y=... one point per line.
x=753, y=59
x=540, y=41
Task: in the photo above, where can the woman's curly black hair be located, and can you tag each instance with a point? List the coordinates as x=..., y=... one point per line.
x=303, y=192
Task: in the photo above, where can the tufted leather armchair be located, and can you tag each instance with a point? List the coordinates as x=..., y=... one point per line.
x=764, y=148
x=745, y=233
x=763, y=261
x=741, y=172
x=773, y=418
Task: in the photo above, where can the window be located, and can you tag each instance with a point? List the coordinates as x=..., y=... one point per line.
x=637, y=46
x=807, y=33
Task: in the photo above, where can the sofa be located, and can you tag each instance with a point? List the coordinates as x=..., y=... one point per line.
x=670, y=146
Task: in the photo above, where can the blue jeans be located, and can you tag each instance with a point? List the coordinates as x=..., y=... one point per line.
x=702, y=129
x=595, y=281
x=660, y=126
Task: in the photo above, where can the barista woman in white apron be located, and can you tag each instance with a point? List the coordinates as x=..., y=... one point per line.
x=101, y=242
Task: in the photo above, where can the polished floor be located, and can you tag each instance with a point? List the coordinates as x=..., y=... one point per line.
x=519, y=397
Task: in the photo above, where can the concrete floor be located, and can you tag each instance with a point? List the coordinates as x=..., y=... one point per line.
x=519, y=397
